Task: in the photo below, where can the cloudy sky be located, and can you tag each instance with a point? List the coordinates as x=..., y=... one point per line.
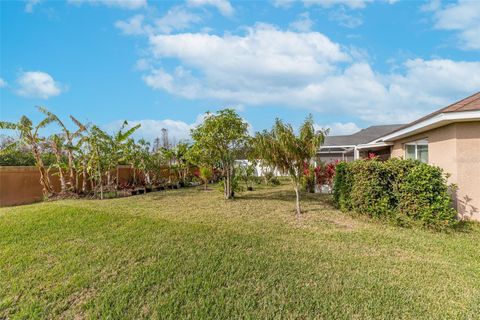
x=351, y=63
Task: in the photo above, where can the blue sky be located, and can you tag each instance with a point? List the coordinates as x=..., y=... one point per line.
x=351, y=63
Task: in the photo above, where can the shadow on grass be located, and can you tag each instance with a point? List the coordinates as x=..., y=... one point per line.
x=464, y=226
x=286, y=196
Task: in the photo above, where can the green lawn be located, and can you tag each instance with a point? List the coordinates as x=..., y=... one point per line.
x=190, y=254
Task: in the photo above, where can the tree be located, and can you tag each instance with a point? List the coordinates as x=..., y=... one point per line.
x=69, y=143
x=205, y=173
x=57, y=144
x=120, y=147
x=165, y=140
x=282, y=149
x=218, y=141
x=30, y=136
x=247, y=174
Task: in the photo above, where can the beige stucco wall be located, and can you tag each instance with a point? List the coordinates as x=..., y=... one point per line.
x=456, y=149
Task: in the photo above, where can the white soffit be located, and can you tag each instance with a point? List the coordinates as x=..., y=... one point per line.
x=439, y=120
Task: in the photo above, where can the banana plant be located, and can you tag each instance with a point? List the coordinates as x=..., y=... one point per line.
x=69, y=143
x=30, y=136
x=57, y=143
x=120, y=145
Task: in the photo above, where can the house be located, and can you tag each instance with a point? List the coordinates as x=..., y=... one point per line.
x=448, y=138
x=345, y=148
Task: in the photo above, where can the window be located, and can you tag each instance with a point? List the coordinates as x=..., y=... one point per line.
x=417, y=150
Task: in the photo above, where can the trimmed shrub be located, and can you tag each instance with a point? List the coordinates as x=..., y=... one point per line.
x=405, y=191
x=342, y=186
x=423, y=196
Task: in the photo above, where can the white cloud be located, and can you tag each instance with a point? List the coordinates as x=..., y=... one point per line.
x=3, y=83
x=264, y=55
x=344, y=19
x=283, y=3
x=339, y=128
x=37, y=84
x=177, y=18
x=29, y=6
x=432, y=5
x=122, y=4
x=268, y=66
x=223, y=6
x=133, y=26
x=303, y=23
x=152, y=128
x=352, y=4
x=142, y=64
x=463, y=17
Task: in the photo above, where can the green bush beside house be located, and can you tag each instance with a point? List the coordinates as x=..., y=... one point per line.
x=405, y=191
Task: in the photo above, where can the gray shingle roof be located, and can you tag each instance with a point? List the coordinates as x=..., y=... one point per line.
x=363, y=136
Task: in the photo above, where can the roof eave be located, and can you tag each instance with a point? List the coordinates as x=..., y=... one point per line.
x=439, y=120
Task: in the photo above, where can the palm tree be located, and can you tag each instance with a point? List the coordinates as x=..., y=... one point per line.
x=282, y=149
x=30, y=136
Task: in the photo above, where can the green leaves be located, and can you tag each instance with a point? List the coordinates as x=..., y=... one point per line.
x=280, y=148
x=404, y=191
x=218, y=141
x=8, y=125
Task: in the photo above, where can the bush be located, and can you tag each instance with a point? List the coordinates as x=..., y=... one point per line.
x=271, y=179
x=405, y=191
x=23, y=158
x=308, y=178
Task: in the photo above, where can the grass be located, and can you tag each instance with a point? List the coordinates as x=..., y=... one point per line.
x=190, y=254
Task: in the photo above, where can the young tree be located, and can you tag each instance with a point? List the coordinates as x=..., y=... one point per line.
x=217, y=142
x=205, y=174
x=282, y=149
x=247, y=174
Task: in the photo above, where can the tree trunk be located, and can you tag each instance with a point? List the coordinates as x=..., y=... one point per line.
x=228, y=192
x=297, y=193
x=63, y=184
x=73, y=177
x=117, y=182
x=134, y=175
x=101, y=181
x=84, y=173
x=109, y=175
x=44, y=179
x=58, y=157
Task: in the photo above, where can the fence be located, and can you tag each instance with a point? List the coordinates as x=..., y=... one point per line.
x=21, y=185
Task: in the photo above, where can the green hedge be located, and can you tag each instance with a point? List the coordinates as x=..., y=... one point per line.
x=23, y=158
x=405, y=191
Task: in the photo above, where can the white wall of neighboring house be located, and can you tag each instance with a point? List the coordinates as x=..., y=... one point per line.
x=259, y=169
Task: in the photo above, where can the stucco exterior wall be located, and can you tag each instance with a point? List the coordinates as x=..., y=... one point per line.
x=468, y=169
x=456, y=149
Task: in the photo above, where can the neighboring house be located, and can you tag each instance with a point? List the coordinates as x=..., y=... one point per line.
x=260, y=170
x=345, y=148
x=448, y=138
